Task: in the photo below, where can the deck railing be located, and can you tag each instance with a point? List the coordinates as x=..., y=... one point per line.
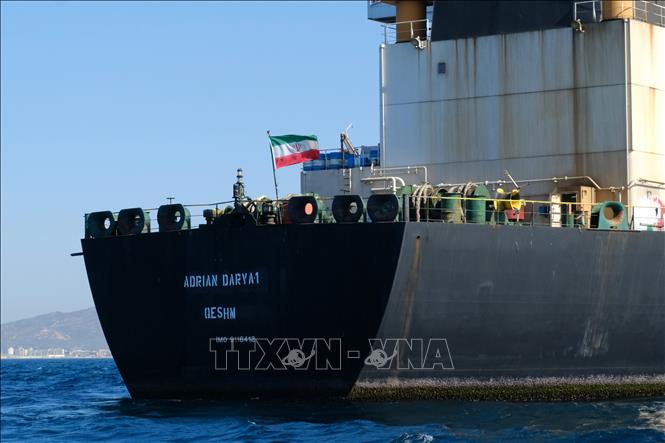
x=588, y=11
x=649, y=12
x=433, y=209
x=591, y=11
x=406, y=31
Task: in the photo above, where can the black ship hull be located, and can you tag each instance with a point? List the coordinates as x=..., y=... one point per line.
x=256, y=311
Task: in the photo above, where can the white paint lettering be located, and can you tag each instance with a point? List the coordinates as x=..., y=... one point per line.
x=219, y=312
x=227, y=280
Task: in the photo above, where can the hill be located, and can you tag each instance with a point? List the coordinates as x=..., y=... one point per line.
x=66, y=330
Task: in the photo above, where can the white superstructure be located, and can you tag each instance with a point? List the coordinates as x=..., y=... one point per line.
x=578, y=101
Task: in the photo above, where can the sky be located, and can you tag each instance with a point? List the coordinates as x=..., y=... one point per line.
x=107, y=106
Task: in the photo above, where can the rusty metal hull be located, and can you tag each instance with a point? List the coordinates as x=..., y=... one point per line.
x=389, y=302
x=518, y=301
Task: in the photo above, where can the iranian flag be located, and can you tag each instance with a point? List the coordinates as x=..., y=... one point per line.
x=291, y=149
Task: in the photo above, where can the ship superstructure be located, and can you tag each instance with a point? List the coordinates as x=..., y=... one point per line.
x=569, y=97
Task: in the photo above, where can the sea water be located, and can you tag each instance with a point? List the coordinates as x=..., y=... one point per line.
x=85, y=400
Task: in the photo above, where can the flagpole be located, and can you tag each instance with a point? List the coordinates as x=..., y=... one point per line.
x=274, y=174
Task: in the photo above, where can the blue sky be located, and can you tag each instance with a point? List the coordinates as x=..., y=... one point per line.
x=116, y=105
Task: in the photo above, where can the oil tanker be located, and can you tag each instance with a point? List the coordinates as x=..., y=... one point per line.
x=428, y=266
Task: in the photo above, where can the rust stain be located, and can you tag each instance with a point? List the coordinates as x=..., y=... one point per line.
x=504, y=118
x=596, y=339
x=411, y=287
x=475, y=66
x=410, y=297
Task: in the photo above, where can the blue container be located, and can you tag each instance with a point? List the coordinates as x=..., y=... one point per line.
x=369, y=155
x=374, y=155
x=316, y=165
x=334, y=160
x=350, y=161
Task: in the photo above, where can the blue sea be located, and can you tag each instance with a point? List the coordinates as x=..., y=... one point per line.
x=85, y=400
